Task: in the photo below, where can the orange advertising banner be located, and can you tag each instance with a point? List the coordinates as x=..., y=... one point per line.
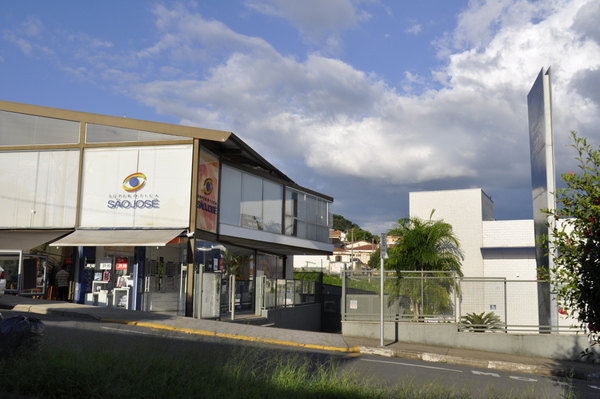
x=207, y=196
x=121, y=263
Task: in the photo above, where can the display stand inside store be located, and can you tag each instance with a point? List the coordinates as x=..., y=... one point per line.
x=121, y=298
x=111, y=285
x=99, y=294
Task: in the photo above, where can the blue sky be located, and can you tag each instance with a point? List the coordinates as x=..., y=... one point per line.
x=364, y=101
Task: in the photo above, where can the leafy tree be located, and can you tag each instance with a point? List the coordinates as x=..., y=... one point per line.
x=352, y=230
x=425, y=246
x=358, y=234
x=340, y=223
x=375, y=259
x=574, y=242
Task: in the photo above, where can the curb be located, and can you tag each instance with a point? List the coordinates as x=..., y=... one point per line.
x=57, y=312
x=231, y=336
x=486, y=364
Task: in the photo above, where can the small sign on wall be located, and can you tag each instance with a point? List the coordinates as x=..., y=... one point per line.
x=105, y=263
x=121, y=263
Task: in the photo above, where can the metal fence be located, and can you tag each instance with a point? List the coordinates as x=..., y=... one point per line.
x=474, y=304
x=280, y=293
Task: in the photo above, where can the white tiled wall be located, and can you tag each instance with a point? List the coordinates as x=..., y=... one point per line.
x=463, y=209
x=508, y=233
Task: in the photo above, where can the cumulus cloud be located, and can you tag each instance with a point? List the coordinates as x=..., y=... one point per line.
x=414, y=29
x=586, y=21
x=319, y=22
x=351, y=127
x=322, y=103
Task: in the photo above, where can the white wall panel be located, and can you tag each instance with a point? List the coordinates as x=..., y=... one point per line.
x=163, y=201
x=38, y=189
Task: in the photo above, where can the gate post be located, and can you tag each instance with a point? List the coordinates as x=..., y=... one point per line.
x=259, y=295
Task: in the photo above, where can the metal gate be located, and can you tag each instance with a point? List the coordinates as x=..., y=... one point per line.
x=237, y=297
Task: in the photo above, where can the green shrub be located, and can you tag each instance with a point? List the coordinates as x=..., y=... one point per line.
x=482, y=322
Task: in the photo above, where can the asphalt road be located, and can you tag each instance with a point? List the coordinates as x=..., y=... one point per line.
x=479, y=383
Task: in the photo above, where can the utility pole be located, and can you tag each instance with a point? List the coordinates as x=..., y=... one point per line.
x=352, y=250
x=383, y=255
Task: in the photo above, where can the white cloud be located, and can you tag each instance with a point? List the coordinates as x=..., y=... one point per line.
x=345, y=122
x=349, y=125
x=32, y=27
x=319, y=22
x=414, y=29
x=586, y=21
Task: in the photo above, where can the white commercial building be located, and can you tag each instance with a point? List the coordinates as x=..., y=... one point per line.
x=146, y=215
x=499, y=255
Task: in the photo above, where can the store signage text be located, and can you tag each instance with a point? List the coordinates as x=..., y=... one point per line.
x=206, y=204
x=135, y=201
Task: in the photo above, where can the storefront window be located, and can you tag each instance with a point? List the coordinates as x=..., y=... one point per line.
x=269, y=265
x=208, y=256
x=239, y=262
x=156, y=284
x=111, y=278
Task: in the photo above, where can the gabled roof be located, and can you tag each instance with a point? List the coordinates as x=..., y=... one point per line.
x=369, y=247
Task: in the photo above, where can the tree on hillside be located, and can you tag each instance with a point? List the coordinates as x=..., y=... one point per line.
x=575, y=238
x=358, y=234
x=340, y=223
x=352, y=230
x=425, y=246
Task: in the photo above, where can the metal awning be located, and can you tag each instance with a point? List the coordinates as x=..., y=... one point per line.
x=121, y=238
x=25, y=240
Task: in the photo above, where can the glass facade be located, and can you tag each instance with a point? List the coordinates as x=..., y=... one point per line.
x=255, y=203
x=40, y=188
x=307, y=216
x=269, y=265
x=110, y=134
x=23, y=129
x=250, y=201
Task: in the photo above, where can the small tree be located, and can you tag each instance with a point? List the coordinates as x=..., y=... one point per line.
x=575, y=238
x=426, y=246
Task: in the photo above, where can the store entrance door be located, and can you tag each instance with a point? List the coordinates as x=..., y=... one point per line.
x=165, y=281
x=237, y=297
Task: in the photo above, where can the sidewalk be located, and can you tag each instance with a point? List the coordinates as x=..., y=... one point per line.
x=307, y=339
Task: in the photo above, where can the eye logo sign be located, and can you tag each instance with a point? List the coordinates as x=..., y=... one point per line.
x=133, y=200
x=208, y=186
x=134, y=182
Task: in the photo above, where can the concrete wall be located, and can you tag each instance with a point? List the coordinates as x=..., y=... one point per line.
x=552, y=346
x=464, y=210
x=305, y=317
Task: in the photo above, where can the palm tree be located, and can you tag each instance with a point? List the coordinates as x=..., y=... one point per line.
x=425, y=246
